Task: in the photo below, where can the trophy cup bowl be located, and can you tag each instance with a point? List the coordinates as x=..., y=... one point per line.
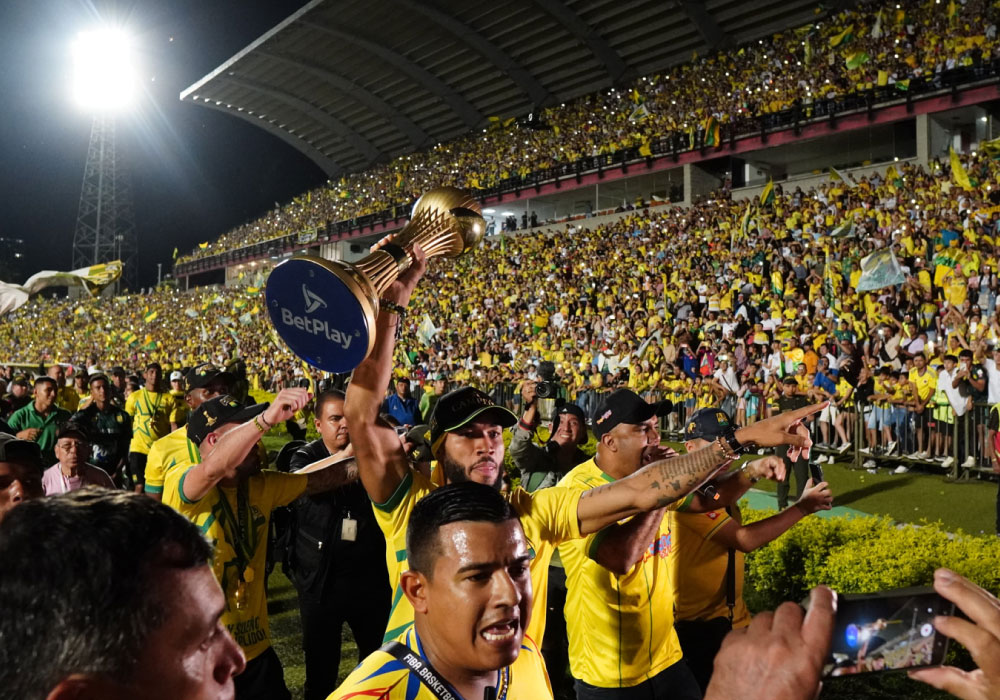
x=325, y=310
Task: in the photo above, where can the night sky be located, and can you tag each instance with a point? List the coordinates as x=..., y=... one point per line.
x=195, y=172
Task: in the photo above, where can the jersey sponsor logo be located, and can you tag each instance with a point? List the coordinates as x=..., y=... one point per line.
x=659, y=548
x=711, y=515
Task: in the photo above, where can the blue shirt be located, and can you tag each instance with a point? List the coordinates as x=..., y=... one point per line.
x=403, y=410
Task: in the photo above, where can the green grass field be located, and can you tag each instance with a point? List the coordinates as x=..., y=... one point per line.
x=913, y=498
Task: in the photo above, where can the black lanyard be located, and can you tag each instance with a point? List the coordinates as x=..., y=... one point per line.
x=429, y=677
x=239, y=528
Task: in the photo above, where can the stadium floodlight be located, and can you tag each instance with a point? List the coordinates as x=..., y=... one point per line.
x=104, y=70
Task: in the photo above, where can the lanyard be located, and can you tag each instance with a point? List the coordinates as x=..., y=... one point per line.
x=239, y=529
x=152, y=409
x=429, y=677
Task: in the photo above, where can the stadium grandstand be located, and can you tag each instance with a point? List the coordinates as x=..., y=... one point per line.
x=744, y=207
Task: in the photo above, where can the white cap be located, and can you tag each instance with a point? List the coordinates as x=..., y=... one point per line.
x=176, y=376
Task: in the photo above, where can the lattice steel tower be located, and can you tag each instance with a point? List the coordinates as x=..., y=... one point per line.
x=105, y=222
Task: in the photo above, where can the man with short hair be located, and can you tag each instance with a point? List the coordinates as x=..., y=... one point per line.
x=706, y=562
x=467, y=439
x=175, y=450
x=150, y=409
x=66, y=396
x=109, y=427
x=469, y=584
x=177, y=389
x=336, y=558
x=41, y=419
x=401, y=405
x=105, y=594
x=619, y=593
x=18, y=395
x=119, y=385
x=20, y=475
x=72, y=472
x=231, y=499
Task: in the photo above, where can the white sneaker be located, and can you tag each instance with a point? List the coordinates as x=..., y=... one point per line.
x=948, y=461
x=873, y=470
x=891, y=447
x=913, y=455
x=865, y=451
x=969, y=462
x=868, y=464
x=924, y=455
x=900, y=469
x=844, y=448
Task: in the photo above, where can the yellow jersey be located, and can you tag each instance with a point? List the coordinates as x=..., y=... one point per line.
x=698, y=568
x=548, y=517
x=173, y=451
x=150, y=411
x=264, y=492
x=181, y=411
x=620, y=628
x=925, y=383
x=381, y=676
x=66, y=397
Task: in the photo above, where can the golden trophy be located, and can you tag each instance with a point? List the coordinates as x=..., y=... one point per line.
x=325, y=310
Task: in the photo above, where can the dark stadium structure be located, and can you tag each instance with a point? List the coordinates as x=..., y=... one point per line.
x=351, y=84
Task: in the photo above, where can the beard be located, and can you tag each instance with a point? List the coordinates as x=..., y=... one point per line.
x=454, y=473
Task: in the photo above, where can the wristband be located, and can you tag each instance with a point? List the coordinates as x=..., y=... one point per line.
x=734, y=445
x=391, y=307
x=727, y=453
x=745, y=470
x=257, y=422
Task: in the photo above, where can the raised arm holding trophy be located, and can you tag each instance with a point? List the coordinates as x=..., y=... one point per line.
x=325, y=310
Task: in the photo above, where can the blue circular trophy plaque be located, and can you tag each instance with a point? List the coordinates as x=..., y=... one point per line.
x=322, y=312
x=325, y=310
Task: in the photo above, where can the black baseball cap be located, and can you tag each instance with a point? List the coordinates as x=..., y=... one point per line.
x=625, y=406
x=97, y=375
x=459, y=407
x=217, y=412
x=707, y=424
x=21, y=379
x=204, y=374
x=74, y=430
x=421, y=450
x=13, y=449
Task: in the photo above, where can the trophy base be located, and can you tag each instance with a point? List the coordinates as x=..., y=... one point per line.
x=324, y=312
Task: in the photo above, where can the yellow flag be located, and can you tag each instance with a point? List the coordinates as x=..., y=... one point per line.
x=203, y=245
x=645, y=150
x=399, y=179
x=883, y=77
x=958, y=173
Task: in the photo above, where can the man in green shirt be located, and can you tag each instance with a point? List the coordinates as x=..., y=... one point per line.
x=41, y=419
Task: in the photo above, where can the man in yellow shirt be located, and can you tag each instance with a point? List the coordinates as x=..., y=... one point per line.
x=231, y=499
x=466, y=435
x=470, y=587
x=150, y=409
x=924, y=380
x=66, y=396
x=619, y=591
x=706, y=562
x=175, y=450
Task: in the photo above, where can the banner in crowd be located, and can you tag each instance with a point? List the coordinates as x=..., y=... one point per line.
x=880, y=269
x=93, y=279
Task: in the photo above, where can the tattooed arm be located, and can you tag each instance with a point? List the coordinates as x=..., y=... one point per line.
x=661, y=483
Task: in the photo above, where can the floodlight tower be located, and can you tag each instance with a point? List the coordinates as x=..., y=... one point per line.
x=105, y=222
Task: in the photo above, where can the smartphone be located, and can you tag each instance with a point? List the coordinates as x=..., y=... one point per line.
x=816, y=472
x=887, y=631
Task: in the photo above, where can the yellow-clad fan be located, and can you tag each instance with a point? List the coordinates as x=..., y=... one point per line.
x=150, y=409
x=706, y=562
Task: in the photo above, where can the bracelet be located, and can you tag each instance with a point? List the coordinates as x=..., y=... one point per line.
x=260, y=428
x=391, y=307
x=727, y=453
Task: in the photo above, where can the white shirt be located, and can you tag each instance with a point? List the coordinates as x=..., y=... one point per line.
x=992, y=381
x=957, y=401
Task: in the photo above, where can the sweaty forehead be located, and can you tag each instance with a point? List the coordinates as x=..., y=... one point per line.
x=476, y=542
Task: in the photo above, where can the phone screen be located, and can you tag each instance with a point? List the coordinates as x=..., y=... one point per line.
x=887, y=631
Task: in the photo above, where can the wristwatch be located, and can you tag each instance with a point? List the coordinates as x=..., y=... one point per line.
x=735, y=446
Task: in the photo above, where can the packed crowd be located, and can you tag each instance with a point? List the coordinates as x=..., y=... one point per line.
x=873, y=44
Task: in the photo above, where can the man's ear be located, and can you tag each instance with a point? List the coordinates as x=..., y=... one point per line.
x=609, y=442
x=83, y=687
x=414, y=585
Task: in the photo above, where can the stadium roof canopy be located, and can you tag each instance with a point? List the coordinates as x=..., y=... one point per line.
x=353, y=83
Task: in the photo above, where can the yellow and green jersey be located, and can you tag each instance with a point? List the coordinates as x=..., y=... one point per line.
x=173, y=451
x=620, y=628
x=925, y=383
x=698, y=568
x=264, y=492
x=548, y=517
x=381, y=676
x=150, y=411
